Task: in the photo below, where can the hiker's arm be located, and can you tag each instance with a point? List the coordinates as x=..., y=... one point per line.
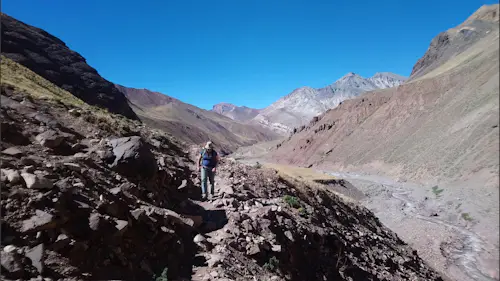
x=217, y=159
x=198, y=163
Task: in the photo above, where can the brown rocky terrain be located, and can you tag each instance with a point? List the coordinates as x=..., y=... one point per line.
x=439, y=132
x=90, y=195
x=443, y=125
x=50, y=58
x=192, y=124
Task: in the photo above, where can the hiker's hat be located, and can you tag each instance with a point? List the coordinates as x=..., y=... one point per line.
x=209, y=145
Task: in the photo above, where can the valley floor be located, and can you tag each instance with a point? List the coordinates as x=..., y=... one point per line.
x=454, y=228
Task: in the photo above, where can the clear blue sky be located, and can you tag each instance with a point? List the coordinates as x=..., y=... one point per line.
x=247, y=52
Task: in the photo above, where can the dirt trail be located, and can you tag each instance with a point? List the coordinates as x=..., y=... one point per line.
x=465, y=255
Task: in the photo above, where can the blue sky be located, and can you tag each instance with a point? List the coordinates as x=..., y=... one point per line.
x=247, y=52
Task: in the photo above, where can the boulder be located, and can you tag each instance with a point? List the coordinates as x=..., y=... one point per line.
x=133, y=158
x=13, y=151
x=12, y=176
x=36, y=181
x=36, y=255
x=50, y=139
x=16, y=266
x=40, y=221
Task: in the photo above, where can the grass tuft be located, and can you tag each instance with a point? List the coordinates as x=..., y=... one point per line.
x=292, y=201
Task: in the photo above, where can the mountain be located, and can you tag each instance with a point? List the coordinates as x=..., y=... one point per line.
x=90, y=195
x=437, y=131
x=50, y=58
x=302, y=104
x=192, y=124
x=456, y=40
x=239, y=113
x=442, y=123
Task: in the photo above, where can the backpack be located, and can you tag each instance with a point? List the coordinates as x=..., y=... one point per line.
x=204, y=151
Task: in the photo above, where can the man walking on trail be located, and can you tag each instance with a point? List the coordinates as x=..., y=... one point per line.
x=208, y=161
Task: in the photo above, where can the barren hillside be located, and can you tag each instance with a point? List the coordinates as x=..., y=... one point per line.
x=442, y=125
x=88, y=195
x=435, y=139
x=192, y=124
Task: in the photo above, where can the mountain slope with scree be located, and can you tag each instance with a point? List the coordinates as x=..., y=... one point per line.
x=90, y=195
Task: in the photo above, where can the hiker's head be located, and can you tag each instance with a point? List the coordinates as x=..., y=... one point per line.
x=209, y=145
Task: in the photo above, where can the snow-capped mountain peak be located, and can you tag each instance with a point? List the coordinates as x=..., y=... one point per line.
x=298, y=107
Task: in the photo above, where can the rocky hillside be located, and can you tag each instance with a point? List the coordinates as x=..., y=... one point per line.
x=456, y=40
x=298, y=107
x=50, y=58
x=192, y=124
x=89, y=195
x=240, y=113
x=440, y=125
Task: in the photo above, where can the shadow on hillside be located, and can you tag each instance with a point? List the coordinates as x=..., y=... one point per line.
x=205, y=220
x=343, y=187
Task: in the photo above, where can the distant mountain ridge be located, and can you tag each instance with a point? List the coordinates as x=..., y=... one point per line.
x=192, y=124
x=298, y=107
x=240, y=113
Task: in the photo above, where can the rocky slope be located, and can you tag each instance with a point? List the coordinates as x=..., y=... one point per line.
x=192, y=124
x=298, y=107
x=50, y=58
x=438, y=131
x=456, y=40
x=240, y=113
x=88, y=195
x=397, y=128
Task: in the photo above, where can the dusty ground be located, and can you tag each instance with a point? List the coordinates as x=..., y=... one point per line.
x=453, y=228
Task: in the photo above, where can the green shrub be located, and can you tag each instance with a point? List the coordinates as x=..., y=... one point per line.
x=162, y=277
x=437, y=191
x=303, y=212
x=466, y=216
x=292, y=201
x=272, y=264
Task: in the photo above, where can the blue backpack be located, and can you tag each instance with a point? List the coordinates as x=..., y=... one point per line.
x=211, y=158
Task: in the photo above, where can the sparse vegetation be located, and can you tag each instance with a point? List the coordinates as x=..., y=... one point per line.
x=162, y=277
x=258, y=165
x=272, y=264
x=292, y=201
x=437, y=191
x=466, y=216
x=303, y=212
x=25, y=80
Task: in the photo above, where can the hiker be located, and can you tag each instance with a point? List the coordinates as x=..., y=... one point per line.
x=208, y=161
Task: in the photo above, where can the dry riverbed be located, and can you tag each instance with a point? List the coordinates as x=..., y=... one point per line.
x=454, y=228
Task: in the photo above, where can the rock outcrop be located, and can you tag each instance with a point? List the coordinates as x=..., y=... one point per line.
x=456, y=40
